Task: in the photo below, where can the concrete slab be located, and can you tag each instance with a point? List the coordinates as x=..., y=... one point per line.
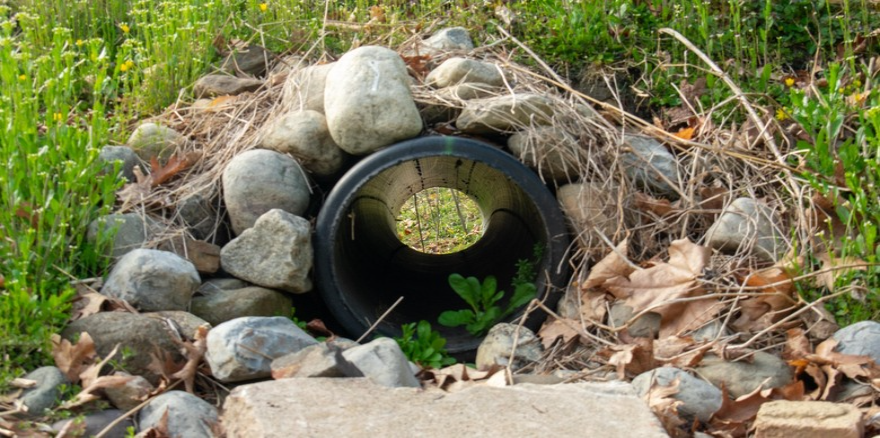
x=356, y=407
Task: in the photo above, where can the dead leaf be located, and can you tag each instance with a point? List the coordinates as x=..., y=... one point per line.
x=635, y=358
x=221, y=103
x=553, y=329
x=685, y=134
x=660, y=207
x=656, y=287
x=193, y=352
x=613, y=265
x=377, y=14
x=797, y=345
x=73, y=359
x=681, y=352
x=662, y=403
x=317, y=328
x=418, y=64
x=161, y=174
x=776, y=302
x=835, y=267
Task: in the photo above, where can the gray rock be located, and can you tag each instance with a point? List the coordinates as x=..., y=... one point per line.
x=383, y=362
x=861, y=339
x=456, y=71
x=259, y=180
x=370, y=105
x=319, y=360
x=305, y=88
x=497, y=346
x=276, y=253
x=188, y=415
x=131, y=231
x=222, y=85
x=199, y=215
x=504, y=113
x=129, y=395
x=743, y=377
x=358, y=408
x=152, y=280
x=449, y=39
x=252, y=60
x=142, y=335
x=46, y=393
x=305, y=136
x=185, y=323
x=650, y=165
x=747, y=226
x=109, y=155
x=552, y=152
x=94, y=423
x=699, y=399
x=151, y=140
x=467, y=91
x=808, y=419
x=710, y=331
x=220, y=284
x=225, y=305
x=591, y=209
x=646, y=326
x=244, y=348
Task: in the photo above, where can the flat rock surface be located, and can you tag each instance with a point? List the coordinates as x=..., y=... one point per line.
x=322, y=407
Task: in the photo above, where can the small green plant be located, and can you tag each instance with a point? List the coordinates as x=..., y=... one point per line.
x=483, y=299
x=424, y=345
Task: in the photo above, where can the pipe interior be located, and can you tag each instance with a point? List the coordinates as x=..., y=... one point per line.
x=375, y=268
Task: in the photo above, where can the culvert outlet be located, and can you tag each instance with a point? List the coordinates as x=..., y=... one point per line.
x=363, y=268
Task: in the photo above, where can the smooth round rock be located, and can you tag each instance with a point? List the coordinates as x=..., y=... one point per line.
x=259, y=180
x=47, y=392
x=861, y=339
x=304, y=134
x=497, y=346
x=748, y=226
x=369, y=104
x=456, y=71
x=225, y=305
x=699, y=399
x=743, y=377
x=126, y=157
x=130, y=231
x=151, y=140
x=188, y=415
x=152, y=280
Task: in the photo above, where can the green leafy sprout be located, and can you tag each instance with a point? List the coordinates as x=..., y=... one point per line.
x=424, y=345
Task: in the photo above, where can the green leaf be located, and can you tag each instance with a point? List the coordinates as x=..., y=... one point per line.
x=490, y=285
x=455, y=318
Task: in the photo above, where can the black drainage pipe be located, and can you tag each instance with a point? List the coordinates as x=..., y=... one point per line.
x=363, y=268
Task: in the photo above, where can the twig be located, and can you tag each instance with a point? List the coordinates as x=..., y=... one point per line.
x=580, y=331
x=375, y=324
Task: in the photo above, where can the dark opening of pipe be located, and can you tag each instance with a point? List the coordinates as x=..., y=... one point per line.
x=363, y=268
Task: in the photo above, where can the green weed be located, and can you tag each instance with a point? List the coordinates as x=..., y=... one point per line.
x=423, y=345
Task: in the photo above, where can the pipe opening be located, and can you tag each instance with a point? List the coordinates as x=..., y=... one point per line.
x=363, y=267
x=439, y=220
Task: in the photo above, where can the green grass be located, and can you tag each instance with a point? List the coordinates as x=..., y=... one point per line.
x=439, y=221
x=76, y=75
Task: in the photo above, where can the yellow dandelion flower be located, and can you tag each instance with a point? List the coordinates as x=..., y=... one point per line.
x=857, y=83
x=125, y=28
x=781, y=114
x=129, y=63
x=264, y=7
x=79, y=43
x=22, y=77
x=57, y=117
x=789, y=82
x=123, y=67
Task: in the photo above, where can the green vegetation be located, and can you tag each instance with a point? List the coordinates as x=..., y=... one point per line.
x=484, y=313
x=440, y=221
x=423, y=345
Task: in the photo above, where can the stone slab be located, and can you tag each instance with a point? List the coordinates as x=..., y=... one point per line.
x=356, y=407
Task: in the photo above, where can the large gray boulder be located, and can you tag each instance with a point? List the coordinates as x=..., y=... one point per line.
x=450, y=39
x=150, y=140
x=650, y=165
x=276, y=253
x=860, y=339
x=748, y=226
x=219, y=306
x=304, y=135
x=504, y=113
x=257, y=181
x=383, y=362
x=152, y=280
x=699, y=399
x=143, y=336
x=456, y=71
x=126, y=157
x=244, y=348
x=497, y=347
x=369, y=105
x=188, y=415
x=130, y=231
